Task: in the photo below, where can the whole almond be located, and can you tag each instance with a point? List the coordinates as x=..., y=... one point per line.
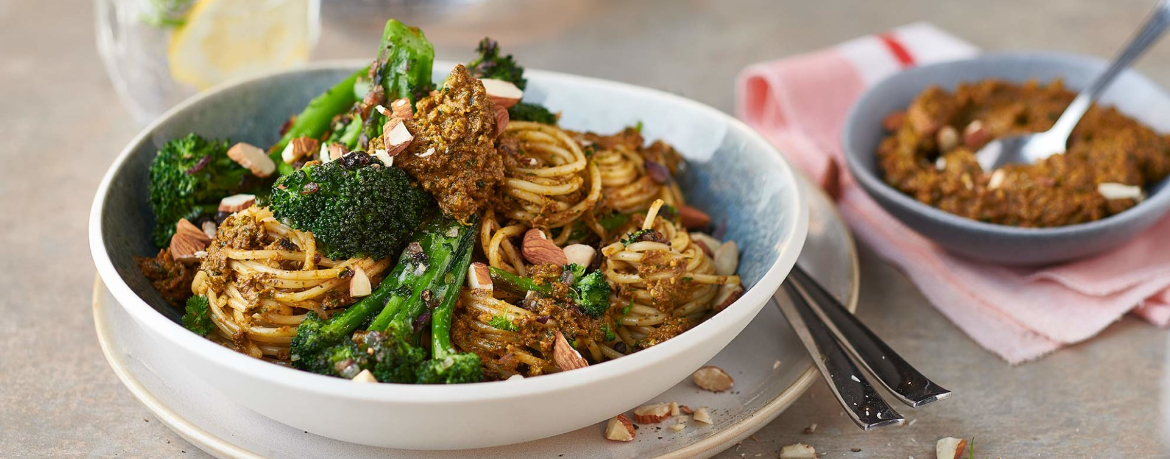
x=619, y=428
x=712, y=378
x=652, y=414
x=565, y=356
x=538, y=250
x=693, y=218
x=189, y=229
x=184, y=246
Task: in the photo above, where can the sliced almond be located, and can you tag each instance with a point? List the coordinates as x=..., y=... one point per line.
x=798, y=451
x=298, y=148
x=253, y=158
x=950, y=448
x=893, y=121
x=1112, y=190
x=478, y=277
x=359, y=283
x=727, y=294
x=365, y=377
x=579, y=254
x=703, y=416
x=619, y=428
x=401, y=109
x=503, y=93
x=712, y=378
x=236, y=203
x=726, y=258
x=210, y=229
x=565, y=356
x=502, y=119
x=538, y=250
x=947, y=138
x=693, y=218
x=189, y=229
x=652, y=414
x=705, y=242
x=396, y=136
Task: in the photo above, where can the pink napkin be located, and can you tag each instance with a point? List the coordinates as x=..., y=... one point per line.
x=799, y=103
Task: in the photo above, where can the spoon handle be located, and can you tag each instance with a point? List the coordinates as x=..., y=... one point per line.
x=1150, y=32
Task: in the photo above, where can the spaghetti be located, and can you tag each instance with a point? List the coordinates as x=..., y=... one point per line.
x=261, y=277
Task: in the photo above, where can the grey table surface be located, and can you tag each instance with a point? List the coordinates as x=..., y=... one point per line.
x=62, y=125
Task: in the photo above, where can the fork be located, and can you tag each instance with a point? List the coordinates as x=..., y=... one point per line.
x=837, y=341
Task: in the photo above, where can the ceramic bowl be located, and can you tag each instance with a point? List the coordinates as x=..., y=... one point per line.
x=1132, y=94
x=733, y=173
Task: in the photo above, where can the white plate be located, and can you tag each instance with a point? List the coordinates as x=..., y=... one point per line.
x=228, y=430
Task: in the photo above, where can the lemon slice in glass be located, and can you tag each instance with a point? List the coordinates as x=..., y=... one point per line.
x=225, y=39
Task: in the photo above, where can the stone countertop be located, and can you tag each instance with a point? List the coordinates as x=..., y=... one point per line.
x=63, y=125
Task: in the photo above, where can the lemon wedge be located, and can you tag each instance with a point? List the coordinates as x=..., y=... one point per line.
x=225, y=39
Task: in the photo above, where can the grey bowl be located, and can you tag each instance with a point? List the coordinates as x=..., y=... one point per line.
x=1133, y=94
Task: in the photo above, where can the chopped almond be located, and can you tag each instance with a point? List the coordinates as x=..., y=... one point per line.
x=365, y=377
x=401, y=109
x=674, y=409
x=579, y=254
x=565, y=356
x=185, y=227
x=184, y=246
x=252, y=158
x=298, y=148
x=726, y=296
x=798, y=451
x=502, y=119
x=210, y=229
x=619, y=428
x=478, y=277
x=336, y=151
x=652, y=414
x=396, y=136
x=359, y=284
x=384, y=157
x=712, y=378
x=703, y=416
x=686, y=409
x=503, y=93
x=950, y=448
x=677, y=427
x=706, y=243
x=236, y=203
x=1111, y=191
x=726, y=258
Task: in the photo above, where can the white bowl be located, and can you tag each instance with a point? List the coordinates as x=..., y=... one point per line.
x=733, y=174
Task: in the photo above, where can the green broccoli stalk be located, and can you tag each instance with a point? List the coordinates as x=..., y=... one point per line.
x=589, y=292
x=524, y=111
x=188, y=178
x=315, y=120
x=490, y=64
x=389, y=349
x=198, y=316
x=354, y=206
x=447, y=365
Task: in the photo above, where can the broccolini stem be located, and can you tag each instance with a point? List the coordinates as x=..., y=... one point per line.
x=516, y=284
x=449, y=292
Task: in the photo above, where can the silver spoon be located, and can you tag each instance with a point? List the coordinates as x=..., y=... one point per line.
x=1031, y=148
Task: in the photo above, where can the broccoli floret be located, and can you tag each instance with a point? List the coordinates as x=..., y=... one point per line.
x=198, y=316
x=188, y=177
x=591, y=293
x=490, y=64
x=524, y=111
x=455, y=368
x=354, y=206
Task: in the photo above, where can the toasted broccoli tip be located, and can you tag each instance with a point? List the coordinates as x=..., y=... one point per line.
x=198, y=316
x=188, y=177
x=490, y=64
x=354, y=206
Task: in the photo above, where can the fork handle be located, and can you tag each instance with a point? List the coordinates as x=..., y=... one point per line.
x=1149, y=34
x=899, y=377
x=865, y=407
